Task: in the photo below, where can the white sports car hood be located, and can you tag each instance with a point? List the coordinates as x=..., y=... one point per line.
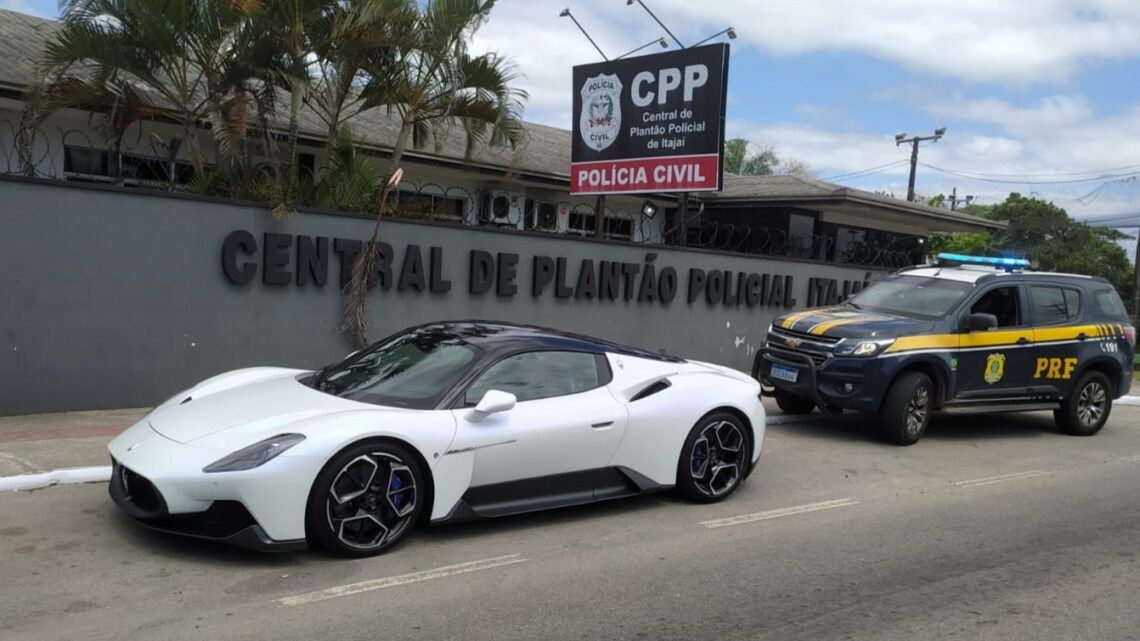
x=256, y=405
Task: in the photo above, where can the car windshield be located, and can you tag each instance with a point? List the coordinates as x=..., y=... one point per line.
x=414, y=369
x=917, y=296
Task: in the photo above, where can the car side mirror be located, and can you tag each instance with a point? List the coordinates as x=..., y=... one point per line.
x=492, y=402
x=982, y=322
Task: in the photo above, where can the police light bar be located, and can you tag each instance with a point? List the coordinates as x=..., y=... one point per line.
x=1005, y=263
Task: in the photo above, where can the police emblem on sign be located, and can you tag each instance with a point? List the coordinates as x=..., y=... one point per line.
x=995, y=368
x=600, y=119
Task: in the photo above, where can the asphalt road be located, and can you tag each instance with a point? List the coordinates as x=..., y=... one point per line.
x=994, y=528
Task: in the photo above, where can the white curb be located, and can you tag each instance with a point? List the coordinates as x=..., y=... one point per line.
x=1128, y=400
x=68, y=476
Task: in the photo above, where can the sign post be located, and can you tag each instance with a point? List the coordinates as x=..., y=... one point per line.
x=651, y=124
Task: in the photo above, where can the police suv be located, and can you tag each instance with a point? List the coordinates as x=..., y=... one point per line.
x=968, y=334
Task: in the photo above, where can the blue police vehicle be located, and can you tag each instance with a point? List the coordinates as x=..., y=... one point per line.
x=967, y=334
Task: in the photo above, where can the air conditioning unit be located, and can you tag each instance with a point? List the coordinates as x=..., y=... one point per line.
x=500, y=207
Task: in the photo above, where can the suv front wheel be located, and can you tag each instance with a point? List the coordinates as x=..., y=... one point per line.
x=1086, y=410
x=907, y=407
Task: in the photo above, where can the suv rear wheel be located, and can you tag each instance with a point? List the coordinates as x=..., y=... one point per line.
x=791, y=403
x=1086, y=410
x=907, y=407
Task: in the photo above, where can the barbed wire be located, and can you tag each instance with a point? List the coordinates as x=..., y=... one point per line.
x=149, y=163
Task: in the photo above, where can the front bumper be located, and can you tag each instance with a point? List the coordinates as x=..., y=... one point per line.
x=825, y=385
x=223, y=521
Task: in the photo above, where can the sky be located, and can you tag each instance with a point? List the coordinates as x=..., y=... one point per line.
x=1037, y=97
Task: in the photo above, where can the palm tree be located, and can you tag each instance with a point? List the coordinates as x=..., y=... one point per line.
x=178, y=57
x=433, y=88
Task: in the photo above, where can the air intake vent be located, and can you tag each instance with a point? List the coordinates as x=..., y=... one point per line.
x=659, y=386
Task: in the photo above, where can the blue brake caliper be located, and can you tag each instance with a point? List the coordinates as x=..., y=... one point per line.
x=698, y=458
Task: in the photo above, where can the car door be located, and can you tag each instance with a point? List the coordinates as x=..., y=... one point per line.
x=997, y=363
x=565, y=418
x=1058, y=341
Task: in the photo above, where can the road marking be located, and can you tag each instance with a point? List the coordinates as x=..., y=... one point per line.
x=403, y=579
x=1131, y=459
x=775, y=514
x=1001, y=479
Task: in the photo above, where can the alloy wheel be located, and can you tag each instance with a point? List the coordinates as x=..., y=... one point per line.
x=718, y=457
x=1091, y=403
x=371, y=501
x=917, y=409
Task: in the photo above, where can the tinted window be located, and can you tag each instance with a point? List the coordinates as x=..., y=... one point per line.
x=414, y=369
x=537, y=375
x=912, y=296
x=1054, y=305
x=1003, y=303
x=1110, y=304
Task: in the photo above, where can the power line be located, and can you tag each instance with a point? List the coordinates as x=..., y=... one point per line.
x=1026, y=180
x=869, y=170
x=1022, y=177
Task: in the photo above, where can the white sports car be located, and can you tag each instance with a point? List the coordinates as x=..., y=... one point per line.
x=439, y=423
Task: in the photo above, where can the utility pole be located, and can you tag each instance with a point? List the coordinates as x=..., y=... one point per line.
x=954, y=200
x=900, y=139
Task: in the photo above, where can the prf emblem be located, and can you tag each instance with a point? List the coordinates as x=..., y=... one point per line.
x=995, y=368
x=1055, y=368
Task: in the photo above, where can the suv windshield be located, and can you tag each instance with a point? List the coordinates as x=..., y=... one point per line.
x=414, y=369
x=918, y=296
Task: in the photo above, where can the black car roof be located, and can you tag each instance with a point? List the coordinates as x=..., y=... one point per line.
x=498, y=336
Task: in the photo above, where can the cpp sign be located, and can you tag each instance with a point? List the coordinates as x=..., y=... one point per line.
x=650, y=124
x=668, y=80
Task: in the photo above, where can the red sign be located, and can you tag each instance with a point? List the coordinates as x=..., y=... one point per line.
x=639, y=175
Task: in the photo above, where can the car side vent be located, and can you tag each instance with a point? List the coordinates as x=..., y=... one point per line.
x=659, y=386
x=186, y=400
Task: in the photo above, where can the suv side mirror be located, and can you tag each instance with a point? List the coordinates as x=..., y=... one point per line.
x=982, y=322
x=492, y=402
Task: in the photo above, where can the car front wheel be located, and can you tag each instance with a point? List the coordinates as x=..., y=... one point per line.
x=1086, y=410
x=365, y=500
x=907, y=407
x=714, y=459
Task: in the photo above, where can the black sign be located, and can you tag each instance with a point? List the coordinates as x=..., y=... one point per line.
x=650, y=124
x=307, y=261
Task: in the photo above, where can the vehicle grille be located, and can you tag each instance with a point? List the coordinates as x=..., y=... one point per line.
x=139, y=490
x=817, y=348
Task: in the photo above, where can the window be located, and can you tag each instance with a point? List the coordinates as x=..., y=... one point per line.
x=1003, y=303
x=414, y=369
x=95, y=165
x=615, y=228
x=1110, y=304
x=1054, y=305
x=916, y=296
x=536, y=375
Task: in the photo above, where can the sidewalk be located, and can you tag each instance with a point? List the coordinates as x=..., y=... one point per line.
x=44, y=442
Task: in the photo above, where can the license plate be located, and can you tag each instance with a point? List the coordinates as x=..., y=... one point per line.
x=789, y=374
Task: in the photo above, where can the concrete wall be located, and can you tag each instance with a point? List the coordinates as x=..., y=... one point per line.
x=112, y=298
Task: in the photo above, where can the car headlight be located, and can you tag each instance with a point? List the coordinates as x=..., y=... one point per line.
x=864, y=348
x=255, y=455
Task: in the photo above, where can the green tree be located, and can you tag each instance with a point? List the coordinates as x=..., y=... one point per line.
x=1042, y=231
x=739, y=159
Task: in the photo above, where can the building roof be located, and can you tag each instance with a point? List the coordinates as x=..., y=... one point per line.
x=544, y=152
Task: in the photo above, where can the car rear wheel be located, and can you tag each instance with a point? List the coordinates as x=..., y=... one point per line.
x=1086, y=410
x=365, y=500
x=790, y=403
x=907, y=407
x=714, y=458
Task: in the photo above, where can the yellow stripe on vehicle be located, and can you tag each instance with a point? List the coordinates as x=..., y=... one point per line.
x=1003, y=338
x=933, y=341
x=791, y=320
x=819, y=329
x=1068, y=333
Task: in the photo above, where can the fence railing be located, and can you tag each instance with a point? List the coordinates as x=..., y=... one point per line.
x=148, y=162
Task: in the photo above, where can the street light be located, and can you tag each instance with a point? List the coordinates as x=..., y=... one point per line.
x=660, y=41
x=566, y=14
x=731, y=32
x=900, y=139
x=649, y=209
